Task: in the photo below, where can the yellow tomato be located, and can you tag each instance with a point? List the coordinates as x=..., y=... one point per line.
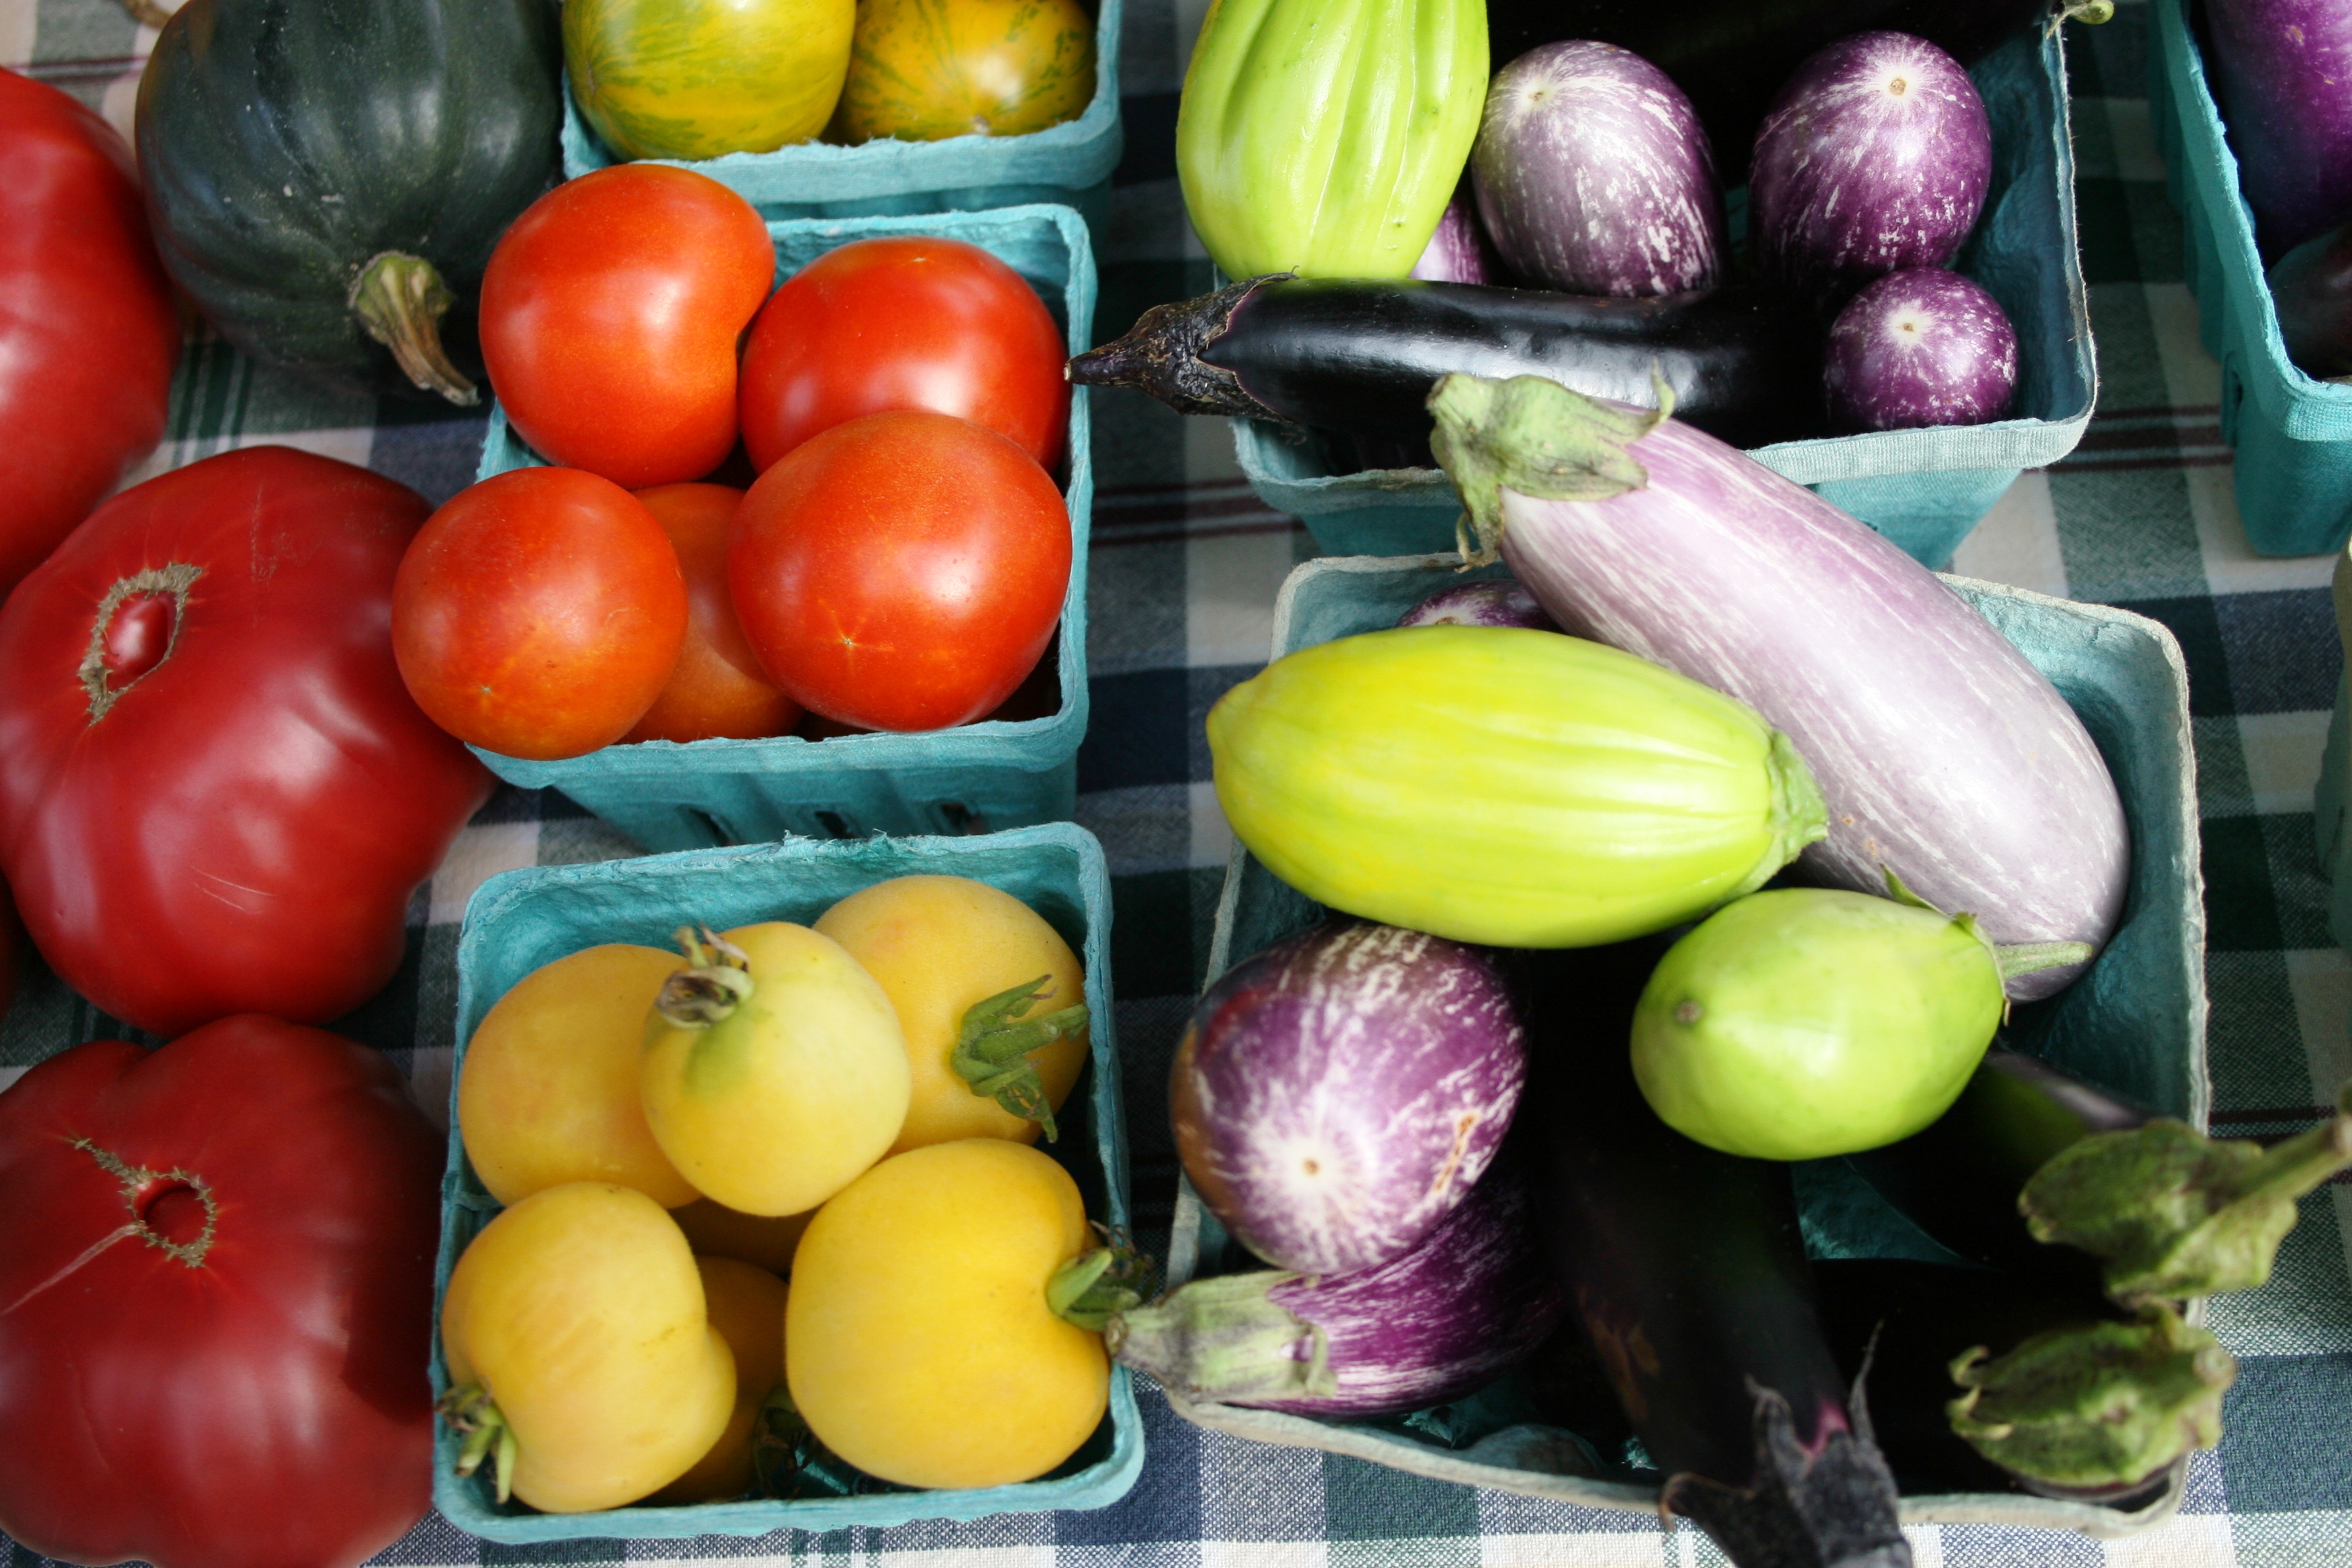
x=938, y=944
x=924, y=70
x=747, y=1308
x=697, y=79
x=548, y=1092
x=797, y=1083
x=918, y=1342
x=580, y=1313
x=763, y=1241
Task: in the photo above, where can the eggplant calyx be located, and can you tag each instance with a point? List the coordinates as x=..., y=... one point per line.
x=1799, y=817
x=716, y=981
x=1536, y=437
x=1164, y=353
x=2090, y=12
x=400, y=300
x=1226, y=1341
x=994, y=1043
x=1093, y=1289
x=2094, y=1405
x=2012, y=961
x=1833, y=1507
x=471, y=1412
x=2174, y=1214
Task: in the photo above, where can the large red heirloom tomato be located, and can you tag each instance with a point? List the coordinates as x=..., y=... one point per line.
x=215, y=794
x=216, y=1294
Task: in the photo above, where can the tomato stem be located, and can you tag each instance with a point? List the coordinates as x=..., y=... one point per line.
x=139, y=1184
x=98, y=669
x=993, y=1046
x=469, y=1410
x=716, y=981
x=1096, y=1285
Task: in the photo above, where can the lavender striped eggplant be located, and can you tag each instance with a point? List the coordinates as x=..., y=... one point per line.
x=2281, y=70
x=1877, y=155
x=1472, y=1301
x=1491, y=603
x=1940, y=750
x=1918, y=347
x=1460, y=252
x=1593, y=176
x=1337, y=1095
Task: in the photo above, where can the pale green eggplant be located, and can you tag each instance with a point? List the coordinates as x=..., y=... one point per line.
x=1325, y=137
x=1495, y=784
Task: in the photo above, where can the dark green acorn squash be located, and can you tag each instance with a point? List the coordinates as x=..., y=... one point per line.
x=327, y=177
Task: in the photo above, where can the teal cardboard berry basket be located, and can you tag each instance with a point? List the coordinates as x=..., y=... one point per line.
x=1923, y=488
x=2135, y=1024
x=520, y=920
x=973, y=778
x=1069, y=164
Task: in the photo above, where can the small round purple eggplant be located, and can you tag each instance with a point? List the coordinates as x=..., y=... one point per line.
x=1497, y=602
x=1337, y=1095
x=2311, y=286
x=1460, y=252
x=1876, y=156
x=1594, y=175
x=1922, y=346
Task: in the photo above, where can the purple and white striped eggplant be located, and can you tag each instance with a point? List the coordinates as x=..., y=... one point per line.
x=1460, y=252
x=1337, y=1095
x=1876, y=156
x=1940, y=750
x=1474, y=1298
x=1490, y=603
x=1919, y=347
x=1594, y=175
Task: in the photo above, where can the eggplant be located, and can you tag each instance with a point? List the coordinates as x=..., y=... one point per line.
x=1360, y=355
x=2279, y=72
x=1918, y=347
x=1460, y=252
x=1943, y=754
x=1483, y=604
x=1877, y=155
x=1473, y=1298
x=2312, y=287
x=1687, y=1271
x=1593, y=176
x=1337, y=1095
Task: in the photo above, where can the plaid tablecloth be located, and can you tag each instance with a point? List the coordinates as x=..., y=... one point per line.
x=1185, y=566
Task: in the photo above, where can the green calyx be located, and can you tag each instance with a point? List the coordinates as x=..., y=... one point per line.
x=2094, y=1405
x=2023, y=958
x=1094, y=1288
x=1228, y=1340
x=716, y=981
x=2090, y=12
x=1538, y=438
x=1799, y=816
x=993, y=1046
x=2174, y=1214
x=471, y=1412
x=400, y=300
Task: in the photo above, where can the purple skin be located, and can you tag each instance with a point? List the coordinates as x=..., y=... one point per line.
x=1335, y=1096
x=1922, y=346
x=1474, y=1298
x=2282, y=72
x=1874, y=157
x=1940, y=750
x=1594, y=175
x=1460, y=252
x=1487, y=604
x=2312, y=287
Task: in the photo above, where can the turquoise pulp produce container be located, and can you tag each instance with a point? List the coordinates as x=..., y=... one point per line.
x=976, y=778
x=2135, y=1024
x=522, y=920
x=1070, y=162
x=1923, y=488
x=2293, y=434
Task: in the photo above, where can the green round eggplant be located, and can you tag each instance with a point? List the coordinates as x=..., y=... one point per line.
x=1806, y=1022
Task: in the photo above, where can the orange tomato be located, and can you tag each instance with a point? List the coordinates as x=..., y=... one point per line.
x=718, y=687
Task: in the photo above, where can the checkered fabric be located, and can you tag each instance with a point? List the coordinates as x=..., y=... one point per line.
x=1185, y=566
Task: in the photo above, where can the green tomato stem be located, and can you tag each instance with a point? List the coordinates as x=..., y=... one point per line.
x=1094, y=1288
x=716, y=981
x=995, y=1044
x=469, y=1410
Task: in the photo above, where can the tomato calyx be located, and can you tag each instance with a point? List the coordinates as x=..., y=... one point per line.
x=716, y=981
x=471, y=1412
x=138, y=623
x=1098, y=1285
x=993, y=1046
x=164, y=1205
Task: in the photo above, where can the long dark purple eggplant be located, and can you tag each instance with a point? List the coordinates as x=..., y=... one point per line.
x=1360, y=355
x=2100, y=1403
x=1687, y=1270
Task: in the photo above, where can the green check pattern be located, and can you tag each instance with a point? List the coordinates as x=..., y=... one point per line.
x=1185, y=565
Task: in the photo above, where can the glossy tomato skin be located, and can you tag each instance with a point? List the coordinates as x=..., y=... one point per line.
x=241, y=827
x=538, y=614
x=89, y=335
x=903, y=321
x=718, y=689
x=266, y=1405
x=610, y=315
x=901, y=572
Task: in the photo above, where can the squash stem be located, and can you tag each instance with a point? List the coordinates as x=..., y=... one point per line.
x=400, y=300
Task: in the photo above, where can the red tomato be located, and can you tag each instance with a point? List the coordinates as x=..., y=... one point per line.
x=905, y=323
x=610, y=315
x=217, y=1263
x=228, y=809
x=718, y=689
x=538, y=614
x=88, y=336
x=902, y=571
